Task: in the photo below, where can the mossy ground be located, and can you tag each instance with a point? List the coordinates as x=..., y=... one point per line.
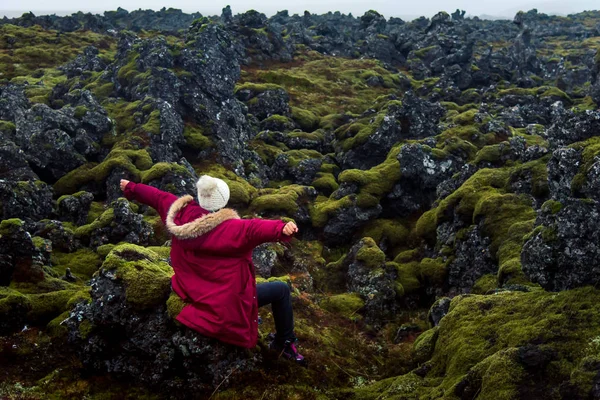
x=477, y=343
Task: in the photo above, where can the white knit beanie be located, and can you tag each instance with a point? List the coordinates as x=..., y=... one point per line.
x=213, y=193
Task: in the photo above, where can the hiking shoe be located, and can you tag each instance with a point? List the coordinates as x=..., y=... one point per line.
x=288, y=351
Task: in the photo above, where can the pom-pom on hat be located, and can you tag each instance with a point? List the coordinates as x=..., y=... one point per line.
x=213, y=193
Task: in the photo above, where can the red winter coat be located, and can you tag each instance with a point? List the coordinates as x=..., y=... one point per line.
x=211, y=254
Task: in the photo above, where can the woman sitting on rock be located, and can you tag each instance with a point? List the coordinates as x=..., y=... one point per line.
x=211, y=254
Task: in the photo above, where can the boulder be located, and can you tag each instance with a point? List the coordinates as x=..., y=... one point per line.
x=130, y=295
x=561, y=252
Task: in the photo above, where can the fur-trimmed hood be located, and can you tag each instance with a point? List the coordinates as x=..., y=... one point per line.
x=199, y=226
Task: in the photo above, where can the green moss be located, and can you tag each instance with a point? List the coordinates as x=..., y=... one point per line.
x=102, y=91
x=325, y=182
x=307, y=120
x=284, y=200
x=7, y=127
x=554, y=321
x=28, y=51
x=146, y=277
x=295, y=157
x=174, y=305
x=96, y=210
x=590, y=149
x=49, y=284
x=104, y=250
x=56, y=328
x=482, y=196
x=325, y=85
x=378, y=180
x=80, y=111
x=485, y=283
x=501, y=212
x=195, y=138
x=47, y=306
x=159, y=170
x=552, y=206
x=279, y=120
x=424, y=345
x=152, y=125
x=369, y=254
x=7, y=225
x=392, y=231
x=83, y=263
x=415, y=275
x=130, y=160
x=421, y=53
x=85, y=328
x=12, y=301
x=82, y=295
x=323, y=209
x=492, y=153
x=347, y=305
x=104, y=220
x=257, y=87
x=465, y=118
x=479, y=346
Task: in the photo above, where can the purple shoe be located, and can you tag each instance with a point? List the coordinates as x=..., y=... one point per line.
x=289, y=351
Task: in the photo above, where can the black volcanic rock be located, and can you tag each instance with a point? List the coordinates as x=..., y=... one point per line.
x=75, y=208
x=368, y=277
x=87, y=61
x=28, y=200
x=472, y=260
x=562, y=168
x=421, y=173
x=564, y=247
x=569, y=127
x=152, y=349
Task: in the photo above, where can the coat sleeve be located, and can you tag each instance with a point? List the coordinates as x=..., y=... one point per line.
x=151, y=196
x=260, y=231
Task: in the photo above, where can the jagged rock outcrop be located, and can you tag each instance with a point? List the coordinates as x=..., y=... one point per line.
x=13, y=163
x=369, y=277
x=562, y=168
x=472, y=260
x=421, y=173
x=568, y=127
x=130, y=295
x=28, y=200
x=87, y=61
x=346, y=220
x=75, y=208
x=20, y=260
x=60, y=237
x=117, y=224
x=562, y=250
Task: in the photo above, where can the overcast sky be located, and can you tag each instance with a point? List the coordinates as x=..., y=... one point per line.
x=389, y=8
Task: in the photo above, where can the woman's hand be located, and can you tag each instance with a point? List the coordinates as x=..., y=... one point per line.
x=123, y=183
x=290, y=228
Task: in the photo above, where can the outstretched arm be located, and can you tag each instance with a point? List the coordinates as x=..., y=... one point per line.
x=262, y=231
x=155, y=198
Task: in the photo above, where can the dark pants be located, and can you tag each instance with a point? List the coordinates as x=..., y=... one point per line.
x=278, y=295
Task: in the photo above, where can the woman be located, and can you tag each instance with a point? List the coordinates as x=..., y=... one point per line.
x=211, y=254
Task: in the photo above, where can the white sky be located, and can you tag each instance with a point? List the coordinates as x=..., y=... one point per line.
x=389, y=8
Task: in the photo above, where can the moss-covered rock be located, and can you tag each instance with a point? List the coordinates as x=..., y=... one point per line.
x=174, y=305
x=129, y=160
x=14, y=307
x=47, y=306
x=347, y=305
x=145, y=275
x=504, y=345
x=82, y=263
x=424, y=345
